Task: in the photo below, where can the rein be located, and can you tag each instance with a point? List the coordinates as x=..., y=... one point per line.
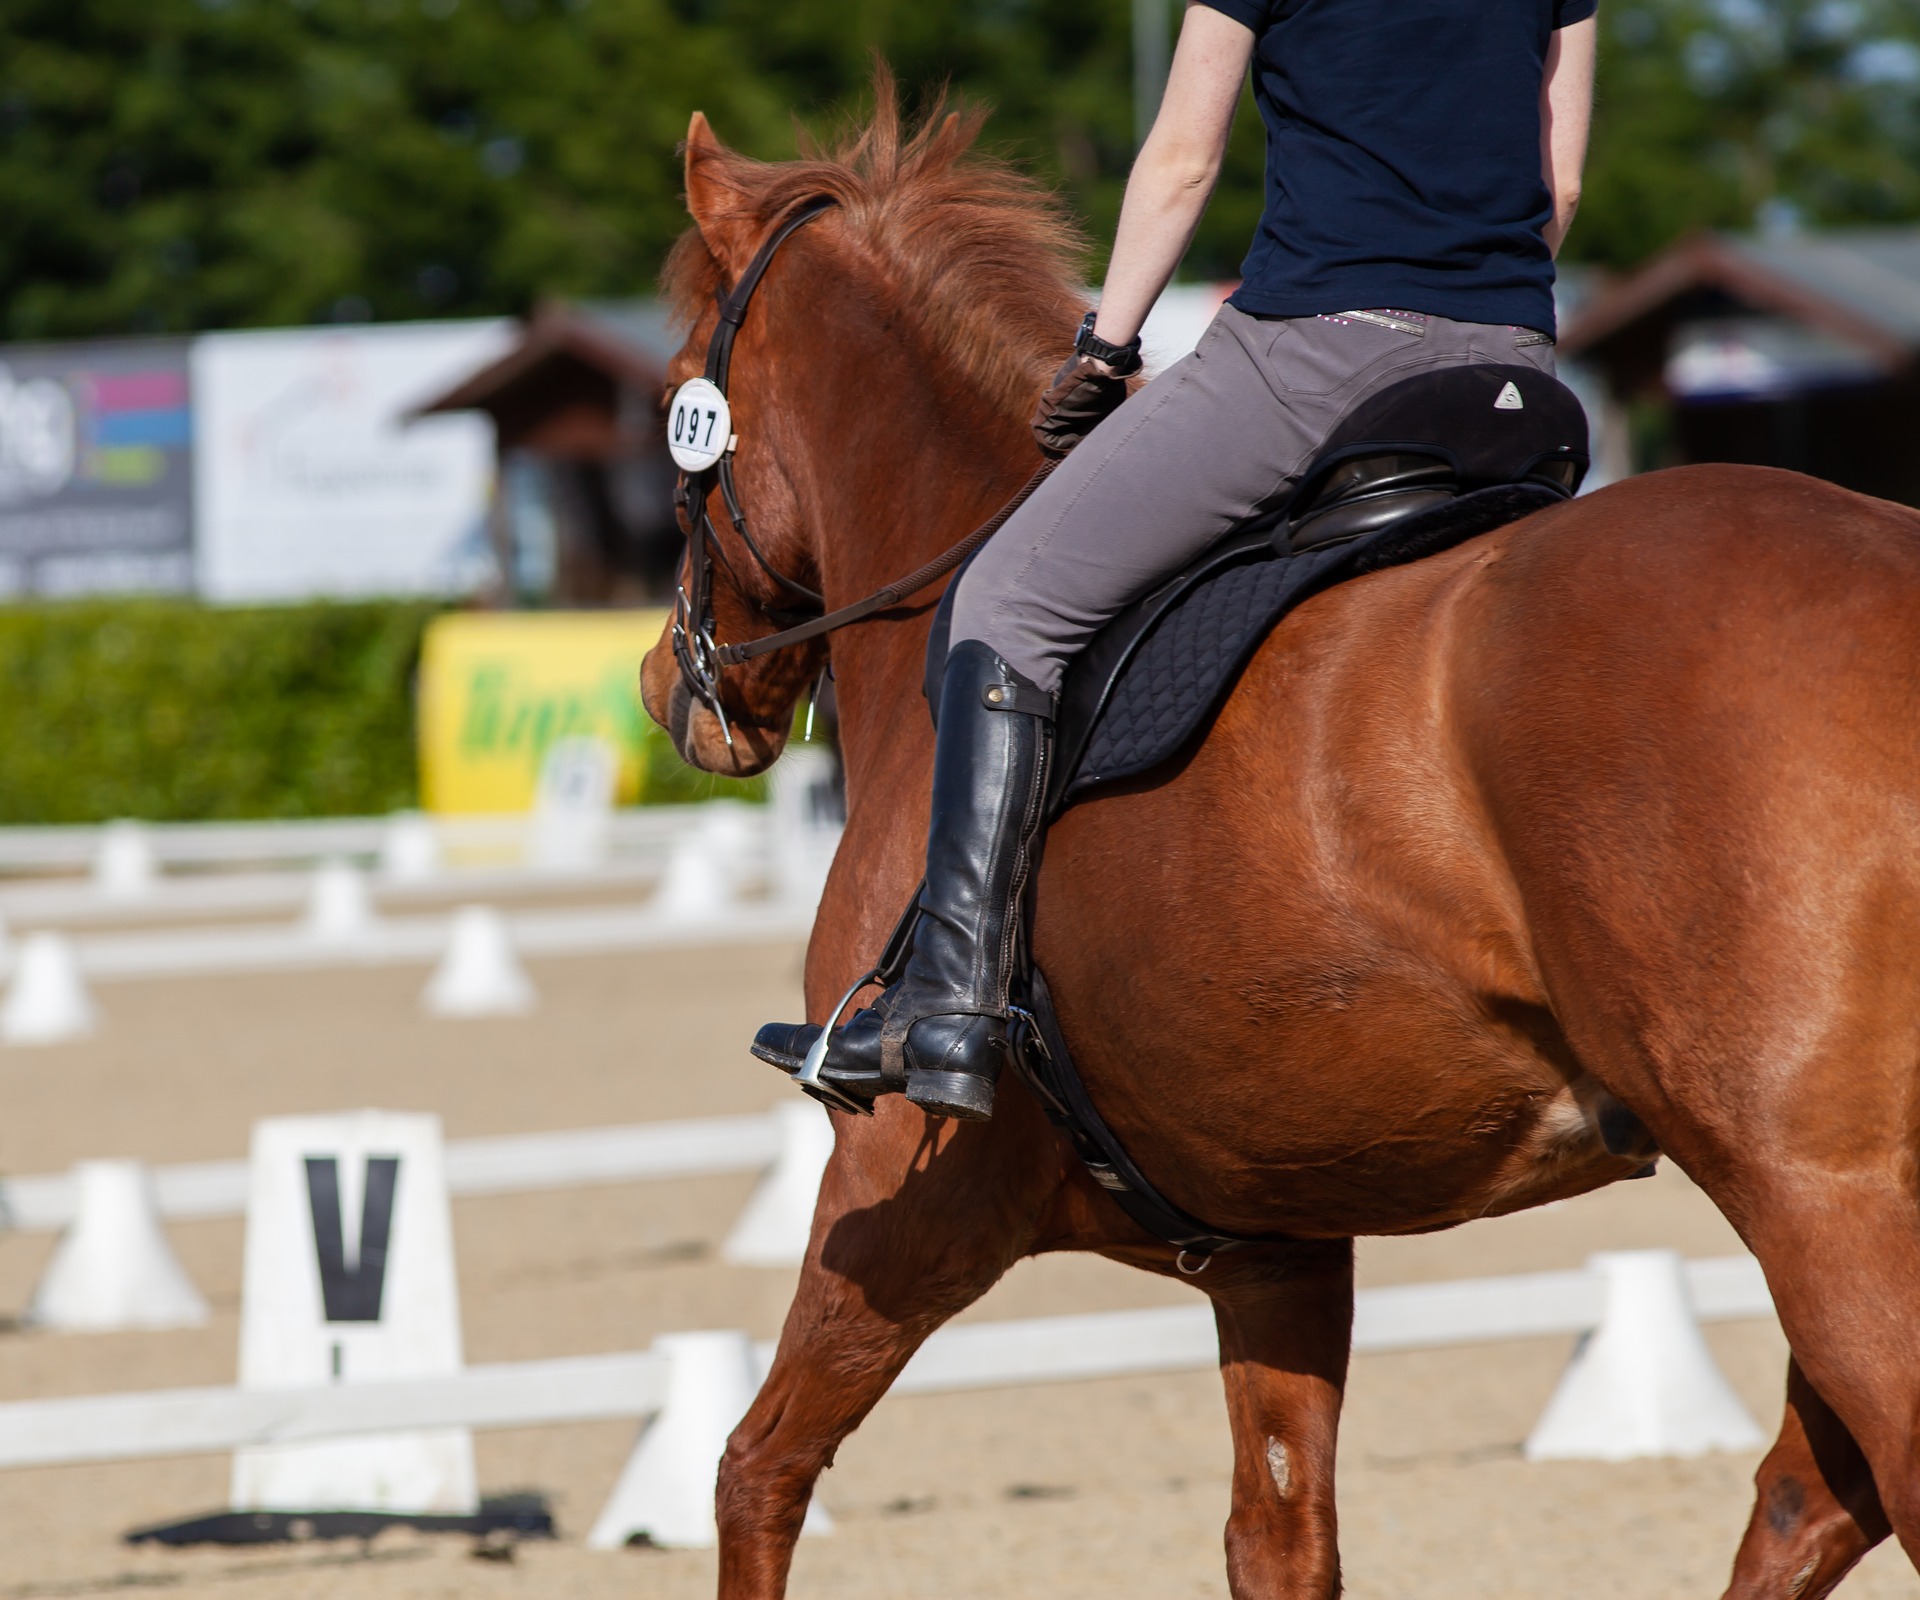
x=699, y=656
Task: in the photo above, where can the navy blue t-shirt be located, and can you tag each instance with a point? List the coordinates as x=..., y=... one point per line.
x=1403, y=157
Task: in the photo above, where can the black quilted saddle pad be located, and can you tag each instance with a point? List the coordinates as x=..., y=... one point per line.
x=1147, y=684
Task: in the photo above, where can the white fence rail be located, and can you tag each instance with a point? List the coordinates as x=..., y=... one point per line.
x=389, y=941
x=638, y=830
x=984, y=1355
x=507, y=1165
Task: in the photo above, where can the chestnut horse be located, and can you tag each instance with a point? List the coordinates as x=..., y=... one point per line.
x=1609, y=818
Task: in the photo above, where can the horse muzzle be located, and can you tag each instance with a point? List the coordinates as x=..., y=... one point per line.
x=696, y=729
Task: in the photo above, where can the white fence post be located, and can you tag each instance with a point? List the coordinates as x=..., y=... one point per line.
x=1644, y=1382
x=480, y=975
x=114, y=1267
x=665, y=1492
x=47, y=1001
x=774, y=1228
x=124, y=866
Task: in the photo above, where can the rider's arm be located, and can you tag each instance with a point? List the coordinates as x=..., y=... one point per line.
x=1173, y=177
x=1566, y=112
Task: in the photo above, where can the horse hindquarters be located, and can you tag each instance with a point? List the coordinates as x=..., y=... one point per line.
x=1695, y=716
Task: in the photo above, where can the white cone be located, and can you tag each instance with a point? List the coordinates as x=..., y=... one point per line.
x=573, y=806
x=124, y=866
x=773, y=1230
x=409, y=848
x=114, y=1267
x=480, y=975
x=708, y=863
x=1644, y=1382
x=808, y=819
x=665, y=1492
x=339, y=908
x=47, y=1000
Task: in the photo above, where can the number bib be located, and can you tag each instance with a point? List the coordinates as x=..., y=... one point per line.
x=700, y=425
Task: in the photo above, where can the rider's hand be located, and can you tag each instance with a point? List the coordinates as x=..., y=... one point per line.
x=1082, y=393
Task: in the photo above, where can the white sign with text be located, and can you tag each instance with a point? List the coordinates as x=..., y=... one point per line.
x=309, y=480
x=349, y=1277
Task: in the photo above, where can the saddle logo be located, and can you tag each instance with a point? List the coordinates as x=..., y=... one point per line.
x=1508, y=399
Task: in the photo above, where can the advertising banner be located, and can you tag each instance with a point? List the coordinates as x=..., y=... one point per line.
x=96, y=477
x=499, y=689
x=311, y=482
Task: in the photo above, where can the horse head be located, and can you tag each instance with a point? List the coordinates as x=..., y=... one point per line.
x=878, y=386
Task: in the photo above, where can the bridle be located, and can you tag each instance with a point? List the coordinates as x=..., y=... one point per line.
x=699, y=656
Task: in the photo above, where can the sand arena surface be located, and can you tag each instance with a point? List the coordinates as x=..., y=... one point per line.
x=1094, y=1490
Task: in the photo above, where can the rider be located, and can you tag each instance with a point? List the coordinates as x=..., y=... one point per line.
x=1423, y=164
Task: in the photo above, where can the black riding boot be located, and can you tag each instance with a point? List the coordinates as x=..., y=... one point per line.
x=948, y=1013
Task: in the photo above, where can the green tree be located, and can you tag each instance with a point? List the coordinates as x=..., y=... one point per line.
x=181, y=164
x=1745, y=113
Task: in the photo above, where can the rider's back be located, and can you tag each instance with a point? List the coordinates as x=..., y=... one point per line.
x=1403, y=157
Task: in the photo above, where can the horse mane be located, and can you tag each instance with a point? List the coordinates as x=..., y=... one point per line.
x=984, y=259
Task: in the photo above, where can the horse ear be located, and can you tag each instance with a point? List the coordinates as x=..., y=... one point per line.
x=716, y=197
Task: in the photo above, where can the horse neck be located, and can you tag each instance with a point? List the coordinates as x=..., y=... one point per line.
x=942, y=463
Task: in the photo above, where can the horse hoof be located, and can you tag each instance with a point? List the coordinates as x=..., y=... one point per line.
x=964, y=1096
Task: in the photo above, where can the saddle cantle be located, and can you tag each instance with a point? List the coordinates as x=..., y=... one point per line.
x=1416, y=469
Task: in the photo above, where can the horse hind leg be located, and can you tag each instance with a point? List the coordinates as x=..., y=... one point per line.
x=1816, y=1511
x=1285, y=1333
x=916, y=1220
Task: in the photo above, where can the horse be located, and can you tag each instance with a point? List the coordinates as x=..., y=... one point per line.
x=1495, y=873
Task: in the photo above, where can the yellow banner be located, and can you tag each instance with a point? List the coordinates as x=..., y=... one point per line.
x=498, y=688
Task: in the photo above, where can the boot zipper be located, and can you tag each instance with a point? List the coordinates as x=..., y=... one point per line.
x=1036, y=792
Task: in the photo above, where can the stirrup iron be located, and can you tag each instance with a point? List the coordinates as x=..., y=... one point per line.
x=808, y=1077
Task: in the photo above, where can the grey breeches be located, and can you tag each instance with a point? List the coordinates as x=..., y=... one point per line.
x=1221, y=434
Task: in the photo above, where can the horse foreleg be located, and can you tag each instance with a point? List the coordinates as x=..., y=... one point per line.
x=916, y=1220
x=1284, y=1339
x=1815, y=1512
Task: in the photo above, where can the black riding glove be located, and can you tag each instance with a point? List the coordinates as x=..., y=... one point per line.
x=1082, y=393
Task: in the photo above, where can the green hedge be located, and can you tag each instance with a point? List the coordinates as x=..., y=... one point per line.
x=170, y=711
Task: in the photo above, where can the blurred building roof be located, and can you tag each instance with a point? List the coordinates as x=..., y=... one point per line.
x=1859, y=287
x=582, y=382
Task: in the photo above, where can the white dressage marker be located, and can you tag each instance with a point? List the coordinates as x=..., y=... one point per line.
x=125, y=867
x=114, y=1267
x=708, y=865
x=773, y=1230
x=47, y=1001
x=1644, y=1382
x=807, y=822
x=665, y=1492
x=339, y=906
x=573, y=806
x=349, y=1277
x=479, y=976
x=409, y=848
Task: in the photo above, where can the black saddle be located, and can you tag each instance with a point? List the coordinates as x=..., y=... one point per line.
x=1424, y=465
x=1418, y=468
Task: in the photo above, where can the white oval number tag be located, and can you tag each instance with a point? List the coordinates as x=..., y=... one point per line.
x=699, y=425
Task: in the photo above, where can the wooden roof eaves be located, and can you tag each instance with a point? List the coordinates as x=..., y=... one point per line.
x=1710, y=260
x=554, y=330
